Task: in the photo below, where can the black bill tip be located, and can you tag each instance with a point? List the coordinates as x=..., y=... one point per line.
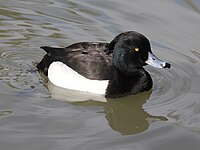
x=167, y=65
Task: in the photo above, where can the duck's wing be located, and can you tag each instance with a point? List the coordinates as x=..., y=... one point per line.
x=87, y=58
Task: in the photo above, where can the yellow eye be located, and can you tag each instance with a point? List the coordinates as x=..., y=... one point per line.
x=136, y=49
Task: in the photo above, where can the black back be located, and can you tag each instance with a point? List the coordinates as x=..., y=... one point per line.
x=87, y=58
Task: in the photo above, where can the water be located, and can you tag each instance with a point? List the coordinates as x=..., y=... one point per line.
x=33, y=116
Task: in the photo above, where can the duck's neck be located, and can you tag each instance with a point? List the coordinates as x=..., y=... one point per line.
x=123, y=84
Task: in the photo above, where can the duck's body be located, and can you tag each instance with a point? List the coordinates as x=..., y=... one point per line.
x=114, y=69
x=83, y=57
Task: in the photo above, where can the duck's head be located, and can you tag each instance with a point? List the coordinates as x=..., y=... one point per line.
x=132, y=51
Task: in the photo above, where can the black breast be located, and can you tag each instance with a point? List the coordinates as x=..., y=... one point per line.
x=125, y=84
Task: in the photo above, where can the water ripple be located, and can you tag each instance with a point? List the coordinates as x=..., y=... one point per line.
x=18, y=69
x=176, y=92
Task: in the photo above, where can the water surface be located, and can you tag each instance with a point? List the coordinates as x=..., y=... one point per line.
x=34, y=117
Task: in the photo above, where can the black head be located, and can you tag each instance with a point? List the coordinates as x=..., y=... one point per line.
x=131, y=51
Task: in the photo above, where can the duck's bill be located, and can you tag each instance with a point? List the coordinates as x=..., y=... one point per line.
x=156, y=62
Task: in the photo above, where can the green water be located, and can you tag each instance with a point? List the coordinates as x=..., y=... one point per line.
x=35, y=115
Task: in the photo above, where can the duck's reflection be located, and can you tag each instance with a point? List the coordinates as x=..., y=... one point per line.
x=125, y=115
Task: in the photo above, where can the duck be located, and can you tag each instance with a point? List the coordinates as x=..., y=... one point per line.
x=114, y=69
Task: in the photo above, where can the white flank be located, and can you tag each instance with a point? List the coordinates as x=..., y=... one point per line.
x=63, y=76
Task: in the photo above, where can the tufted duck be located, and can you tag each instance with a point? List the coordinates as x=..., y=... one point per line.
x=114, y=69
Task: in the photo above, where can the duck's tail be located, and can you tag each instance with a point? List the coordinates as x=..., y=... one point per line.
x=54, y=50
x=44, y=64
x=53, y=53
